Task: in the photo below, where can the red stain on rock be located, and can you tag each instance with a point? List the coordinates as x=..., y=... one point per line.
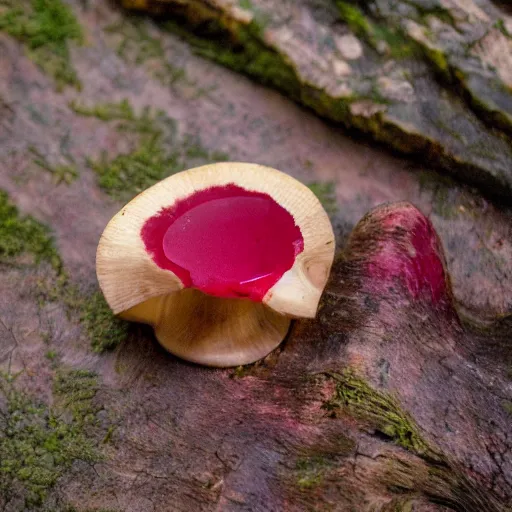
x=401, y=244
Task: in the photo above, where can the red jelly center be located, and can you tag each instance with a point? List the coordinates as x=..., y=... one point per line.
x=225, y=241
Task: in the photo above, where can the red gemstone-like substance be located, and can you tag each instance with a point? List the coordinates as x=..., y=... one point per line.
x=225, y=241
x=409, y=249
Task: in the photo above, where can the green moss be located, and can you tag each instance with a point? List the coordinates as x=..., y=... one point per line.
x=61, y=173
x=258, y=369
x=157, y=155
x=75, y=391
x=131, y=173
x=242, y=49
x=218, y=156
x=45, y=27
x=51, y=355
x=105, y=111
x=106, y=331
x=146, y=123
x=238, y=47
x=439, y=61
x=19, y=235
x=500, y=25
x=326, y=194
x=354, y=18
x=436, y=10
x=374, y=34
x=402, y=505
x=309, y=480
x=265, y=65
x=153, y=157
x=240, y=372
x=310, y=471
x=38, y=444
x=23, y=234
x=400, y=45
x=193, y=150
x=196, y=151
x=382, y=411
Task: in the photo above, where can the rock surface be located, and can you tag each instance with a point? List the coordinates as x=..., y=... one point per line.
x=430, y=77
x=397, y=397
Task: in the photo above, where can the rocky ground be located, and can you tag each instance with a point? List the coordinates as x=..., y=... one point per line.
x=399, y=396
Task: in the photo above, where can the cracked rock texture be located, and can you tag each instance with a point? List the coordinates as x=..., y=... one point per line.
x=398, y=396
x=430, y=77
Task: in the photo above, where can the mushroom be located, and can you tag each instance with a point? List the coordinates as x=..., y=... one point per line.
x=218, y=259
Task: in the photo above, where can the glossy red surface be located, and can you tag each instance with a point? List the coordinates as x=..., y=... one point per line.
x=416, y=260
x=225, y=241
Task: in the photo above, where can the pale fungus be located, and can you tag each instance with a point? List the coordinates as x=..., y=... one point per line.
x=218, y=259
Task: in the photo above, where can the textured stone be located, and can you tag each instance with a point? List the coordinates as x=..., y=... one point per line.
x=453, y=105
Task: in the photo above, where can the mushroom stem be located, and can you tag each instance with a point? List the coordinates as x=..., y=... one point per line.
x=210, y=330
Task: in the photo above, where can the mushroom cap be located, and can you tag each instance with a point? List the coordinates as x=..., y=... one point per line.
x=191, y=318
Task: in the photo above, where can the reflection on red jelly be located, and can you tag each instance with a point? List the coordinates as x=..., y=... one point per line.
x=225, y=241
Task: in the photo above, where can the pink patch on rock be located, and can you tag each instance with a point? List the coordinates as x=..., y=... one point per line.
x=409, y=250
x=225, y=241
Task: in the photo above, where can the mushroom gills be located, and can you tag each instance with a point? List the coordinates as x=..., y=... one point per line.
x=210, y=330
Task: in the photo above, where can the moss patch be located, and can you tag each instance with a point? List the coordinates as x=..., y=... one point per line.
x=105, y=330
x=38, y=443
x=23, y=234
x=382, y=411
x=152, y=158
x=134, y=172
x=400, y=505
x=157, y=154
x=236, y=46
x=310, y=471
x=75, y=391
x=326, y=194
x=435, y=476
x=378, y=36
x=123, y=112
x=45, y=27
